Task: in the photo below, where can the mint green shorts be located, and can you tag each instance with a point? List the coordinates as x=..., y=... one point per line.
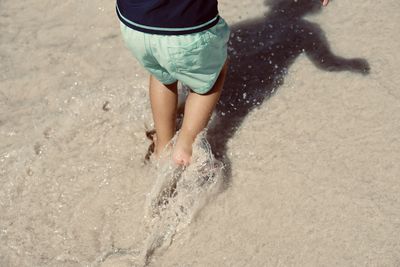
x=193, y=59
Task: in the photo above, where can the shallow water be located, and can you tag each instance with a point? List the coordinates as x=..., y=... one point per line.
x=310, y=175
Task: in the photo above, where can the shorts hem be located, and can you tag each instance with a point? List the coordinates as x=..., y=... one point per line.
x=205, y=89
x=164, y=81
x=169, y=82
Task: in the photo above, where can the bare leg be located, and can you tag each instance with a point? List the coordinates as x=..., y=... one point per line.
x=198, y=110
x=164, y=100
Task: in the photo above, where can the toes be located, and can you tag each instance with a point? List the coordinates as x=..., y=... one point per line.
x=181, y=160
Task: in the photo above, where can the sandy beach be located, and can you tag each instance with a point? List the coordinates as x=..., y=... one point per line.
x=307, y=131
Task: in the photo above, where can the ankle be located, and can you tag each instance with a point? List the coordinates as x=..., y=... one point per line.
x=186, y=138
x=160, y=147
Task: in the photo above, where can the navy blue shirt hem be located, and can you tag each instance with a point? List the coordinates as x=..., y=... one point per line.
x=169, y=32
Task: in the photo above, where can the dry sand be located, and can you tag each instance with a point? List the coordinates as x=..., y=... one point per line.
x=312, y=175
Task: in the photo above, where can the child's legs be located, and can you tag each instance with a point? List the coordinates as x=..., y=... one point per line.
x=198, y=110
x=163, y=100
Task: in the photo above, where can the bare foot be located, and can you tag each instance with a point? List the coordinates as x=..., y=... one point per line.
x=182, y=153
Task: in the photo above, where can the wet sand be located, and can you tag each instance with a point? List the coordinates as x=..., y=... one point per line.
x=308, y=127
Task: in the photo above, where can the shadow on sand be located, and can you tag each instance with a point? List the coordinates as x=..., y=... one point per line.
x=261, y=51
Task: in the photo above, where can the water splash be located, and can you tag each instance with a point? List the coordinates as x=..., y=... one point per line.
x=178, y=195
